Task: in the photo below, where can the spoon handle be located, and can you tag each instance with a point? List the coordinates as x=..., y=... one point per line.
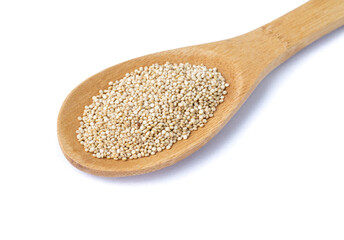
x=307, y=23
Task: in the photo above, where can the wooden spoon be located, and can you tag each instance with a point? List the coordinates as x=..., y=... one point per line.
x=243, y=61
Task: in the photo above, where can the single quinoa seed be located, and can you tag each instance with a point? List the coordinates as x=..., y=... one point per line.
x=150, y=109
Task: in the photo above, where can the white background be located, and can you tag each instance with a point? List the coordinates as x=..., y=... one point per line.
x=274, y=172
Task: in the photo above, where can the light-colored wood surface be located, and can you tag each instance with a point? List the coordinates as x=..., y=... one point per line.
x=244, y=61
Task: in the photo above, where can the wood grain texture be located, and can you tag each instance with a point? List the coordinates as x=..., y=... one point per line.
x=244, y=61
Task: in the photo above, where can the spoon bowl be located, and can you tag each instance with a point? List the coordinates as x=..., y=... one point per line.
x=82, y=96
x=243, y=61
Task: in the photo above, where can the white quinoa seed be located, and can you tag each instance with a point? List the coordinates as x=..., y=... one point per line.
x=150, y=109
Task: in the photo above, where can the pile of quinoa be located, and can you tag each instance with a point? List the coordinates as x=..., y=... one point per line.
x=150, y=109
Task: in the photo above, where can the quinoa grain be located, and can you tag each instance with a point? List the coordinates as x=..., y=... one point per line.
x=149, y=110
